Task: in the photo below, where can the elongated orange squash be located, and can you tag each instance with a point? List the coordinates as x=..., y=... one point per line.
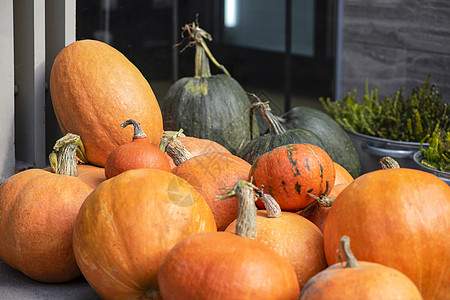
x=93, y=87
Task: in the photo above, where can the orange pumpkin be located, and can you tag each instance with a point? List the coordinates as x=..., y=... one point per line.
x=93, y=85
x=209, y=173
x=359, y=280
x=398, y=218
x=129, y=223
x=37, y=214
x=139, y=153
x=222, y=265
x=342, y=175
x=197, y=146
x=291, y=172
x=293, y=237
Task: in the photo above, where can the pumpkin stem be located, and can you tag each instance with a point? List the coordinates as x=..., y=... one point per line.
x=202, y=69
x=138, y=132
x=63, y=158
x=246, y=220
x=274, y=125
x=176, y=150
x=349, y=257
x=169, y=136
x=272, y=207
x=388, y=162
x=198, y=36
x=319, y=201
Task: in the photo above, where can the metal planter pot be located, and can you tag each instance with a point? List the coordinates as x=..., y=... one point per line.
x=370, y=149
x=445, y=176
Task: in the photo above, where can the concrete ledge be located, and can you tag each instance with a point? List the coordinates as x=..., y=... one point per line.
x=15, y=285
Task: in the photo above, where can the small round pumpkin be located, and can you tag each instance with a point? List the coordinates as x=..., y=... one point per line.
x=92, y=85
x=128, y=224
x=209, y=174
x=291, y=172
x=399, y=218
x=222, y=265
x=37, y=215
x=359, y=280
x=277, y=136
x=139, y=153
x=292, y=236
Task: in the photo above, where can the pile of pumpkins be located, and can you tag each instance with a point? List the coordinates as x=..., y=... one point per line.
x=144, y=213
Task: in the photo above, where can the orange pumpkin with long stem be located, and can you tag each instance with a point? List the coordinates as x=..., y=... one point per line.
x=139, y=153
x=359, y=280
x=209, y=173
x=222, y=265
x=38, y=210
x=292, y=236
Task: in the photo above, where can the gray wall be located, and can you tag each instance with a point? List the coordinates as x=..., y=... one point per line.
x=395, y=43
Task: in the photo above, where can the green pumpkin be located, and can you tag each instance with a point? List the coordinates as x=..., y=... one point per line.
x=337, y=143
x=278, y=136
x=206, y=106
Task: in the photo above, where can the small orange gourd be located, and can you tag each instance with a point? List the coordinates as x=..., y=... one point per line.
x=139, y=153
x=222, y=265
x=292, y=236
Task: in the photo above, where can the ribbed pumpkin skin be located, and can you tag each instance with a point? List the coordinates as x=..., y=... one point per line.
x=290, y=172
x=135, y=155
x=221, y=265
x=197, y=146
x=129, y=223
x=398, y=218
x=337, y=143
x=209, y=174
x=260, y=145
x=214, y=108
x=93, y=87
x=295, y=238
x=37, y=214
x=370, y=281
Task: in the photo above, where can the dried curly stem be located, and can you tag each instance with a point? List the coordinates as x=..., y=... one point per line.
x=198, y=36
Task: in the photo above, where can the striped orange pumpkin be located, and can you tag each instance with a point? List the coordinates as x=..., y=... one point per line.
x=290, y=172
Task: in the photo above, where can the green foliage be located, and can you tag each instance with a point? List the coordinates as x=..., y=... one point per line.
x=397, y=118
x=437, y=154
